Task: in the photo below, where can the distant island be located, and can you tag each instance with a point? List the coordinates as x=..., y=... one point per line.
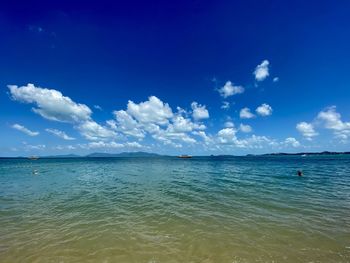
x=106, y=155
x=97, y=155
x=301, y=153
x=150, y=155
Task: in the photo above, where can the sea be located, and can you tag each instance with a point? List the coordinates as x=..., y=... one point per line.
x=166, y=209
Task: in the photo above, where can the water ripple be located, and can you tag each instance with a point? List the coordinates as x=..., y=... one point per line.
x=244, y=209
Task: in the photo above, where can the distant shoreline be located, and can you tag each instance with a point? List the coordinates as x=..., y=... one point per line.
x=155, y=155
x=285, y=154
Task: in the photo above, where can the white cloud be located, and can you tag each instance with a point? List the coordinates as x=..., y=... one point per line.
x=102, y=144
x=111, y=145
x=227, y=135
x=246, y=114
x=178, y=130
x=264, y=110
x=24, y=130
x=245, y=128
x=36, y=147
x=256, y=142
x=167, y=137
x=292, y=142
x=225, y=105
x=133, y=145
x=261, y=71
x=151, y=127
x=152, y=117
x=64, y=147
x=168, y=128
x=331, y=120
x=207, y=139
x=307, y=130
x=93, y=131
x=276, y=79
x=229, y=89
x=29, y=147
x=51, y=104
x=97, y=107
x=199, y=111
x=181, y=124
x=229, y=124
x=151, y=111
x=60, y=134
x=126, y=124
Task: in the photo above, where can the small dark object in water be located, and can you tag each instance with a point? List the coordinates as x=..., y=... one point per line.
x=184, y=156
x=300, y=173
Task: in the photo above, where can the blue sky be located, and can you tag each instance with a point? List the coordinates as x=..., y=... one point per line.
x=192, y=77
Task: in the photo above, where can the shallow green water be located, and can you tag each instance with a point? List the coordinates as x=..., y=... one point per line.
x=242, y=209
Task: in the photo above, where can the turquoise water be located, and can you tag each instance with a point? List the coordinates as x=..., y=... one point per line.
x=205, y=209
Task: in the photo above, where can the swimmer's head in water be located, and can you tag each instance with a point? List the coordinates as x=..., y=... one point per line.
x=300, y=173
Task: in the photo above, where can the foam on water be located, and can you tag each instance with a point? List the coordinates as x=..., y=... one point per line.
x=242, y=209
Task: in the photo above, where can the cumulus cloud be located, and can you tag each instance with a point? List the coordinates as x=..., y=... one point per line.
x=292, y=142
x=151, y=111
x=60, y=134
x=94, y=131
x=103, y=144
x=207, y=139
x=199, y=111
x=170, y=128
x=307, y=130
x=261, y=71
x=51, y=104
x=153, y=118
x=264, y=110
x=256, y=142
x=229, y=89
x=331, y=120
x=64, y=147
x=229, y=124
x=126, y=124
x=182, y=124
x=111, y=145
x=24, y=130
x=245, y=128
x=328, y=119
x=245, y=113
x=133, y=145
x=178, y=130
x=167, y=137
x=227, y=135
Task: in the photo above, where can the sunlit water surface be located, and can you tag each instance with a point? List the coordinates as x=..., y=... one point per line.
x=241, y=209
